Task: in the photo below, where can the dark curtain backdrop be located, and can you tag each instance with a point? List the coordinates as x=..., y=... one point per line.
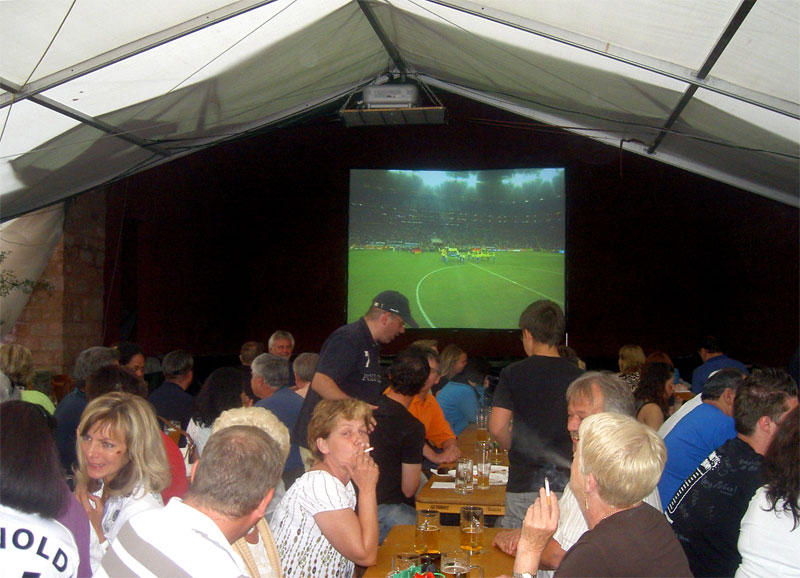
x=231, y=243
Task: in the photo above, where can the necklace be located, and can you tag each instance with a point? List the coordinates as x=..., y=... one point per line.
x=612, y=512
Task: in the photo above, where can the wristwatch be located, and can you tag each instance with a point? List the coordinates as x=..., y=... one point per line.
x=523, y=575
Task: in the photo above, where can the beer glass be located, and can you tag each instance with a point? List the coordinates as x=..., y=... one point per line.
x=404, y=559
x=498, y=455
x=464, y=476
x=482, y=421
x=483, y=464
x=472, y=529
x=456, y=565
x=426, y=535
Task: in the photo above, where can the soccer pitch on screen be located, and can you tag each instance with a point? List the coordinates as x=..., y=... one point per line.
x=489, y=293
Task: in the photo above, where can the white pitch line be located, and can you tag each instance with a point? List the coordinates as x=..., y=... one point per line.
x=416, y=292
x=517, y=284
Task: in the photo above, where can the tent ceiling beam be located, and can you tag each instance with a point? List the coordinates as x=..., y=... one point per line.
x=388, y=45
x=98, y=124
x=726, y=36
x=131, y=49
x=629, y=57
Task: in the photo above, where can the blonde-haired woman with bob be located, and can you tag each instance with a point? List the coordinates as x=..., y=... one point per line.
x=122, y=466
x=631, y=361
x=618, y=461
x=316, y=526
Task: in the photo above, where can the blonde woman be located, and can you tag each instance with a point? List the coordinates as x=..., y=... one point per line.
x=257, y=547
x=315, y=525
x=122, y=466
x=16, y=362
x=631, y=361
x=452, y=360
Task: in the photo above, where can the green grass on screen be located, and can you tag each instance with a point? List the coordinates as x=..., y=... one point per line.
x=456, y=294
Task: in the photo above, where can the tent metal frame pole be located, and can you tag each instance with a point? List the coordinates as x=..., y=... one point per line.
x=650, y=64
x=388, y=45
x=719, y=47
x=99, y=125
x=70, y=112
x=128, y=50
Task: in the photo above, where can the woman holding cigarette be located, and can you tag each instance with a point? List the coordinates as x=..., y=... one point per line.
x=618, y=461
x=315, y=526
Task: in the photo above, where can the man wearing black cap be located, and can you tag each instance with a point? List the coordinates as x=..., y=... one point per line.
x=349, y=363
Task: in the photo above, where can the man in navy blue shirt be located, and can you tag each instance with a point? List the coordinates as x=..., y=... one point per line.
x=710, y=352
x=349, y=362
x=68, y=413
x=170, y=399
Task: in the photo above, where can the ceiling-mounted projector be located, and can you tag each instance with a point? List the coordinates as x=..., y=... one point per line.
x=391, y=104
x=391, y=96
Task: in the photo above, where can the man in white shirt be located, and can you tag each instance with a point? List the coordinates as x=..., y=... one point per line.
x=232, y=485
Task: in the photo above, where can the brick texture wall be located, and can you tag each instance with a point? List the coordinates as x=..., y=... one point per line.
x=56, y=326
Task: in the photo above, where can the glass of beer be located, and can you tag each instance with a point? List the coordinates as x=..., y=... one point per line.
x=456, y=565
x=472, y=529
x=483, y=464
x=464, y=476
x=497, y=455
x=426, y=536
x=482, y=421
x=404, y=559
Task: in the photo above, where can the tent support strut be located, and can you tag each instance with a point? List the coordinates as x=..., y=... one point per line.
x=722, y=43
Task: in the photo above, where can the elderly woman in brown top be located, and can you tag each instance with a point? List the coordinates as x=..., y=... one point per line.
x=617, y=462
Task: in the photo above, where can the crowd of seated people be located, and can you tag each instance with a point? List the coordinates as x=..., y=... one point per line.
x=651, y=488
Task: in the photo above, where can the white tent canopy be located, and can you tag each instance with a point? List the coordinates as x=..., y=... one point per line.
x=96, y=90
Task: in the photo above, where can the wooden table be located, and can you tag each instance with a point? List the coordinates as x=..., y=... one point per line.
x=445, y=500
x=492, y=560
x=466, y=443
x=467, y=438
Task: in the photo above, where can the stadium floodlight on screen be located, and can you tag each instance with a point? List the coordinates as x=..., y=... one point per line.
x=470, y=249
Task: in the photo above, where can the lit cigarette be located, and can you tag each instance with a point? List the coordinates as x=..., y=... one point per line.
x=369, y=449
x=547, y=489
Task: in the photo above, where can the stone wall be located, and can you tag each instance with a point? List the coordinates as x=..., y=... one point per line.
x=59, y=324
